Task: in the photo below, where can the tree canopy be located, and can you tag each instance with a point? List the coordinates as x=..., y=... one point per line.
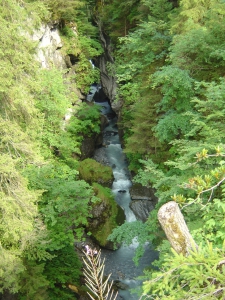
x=44, y=205
x=169, y=65
x=170, y=72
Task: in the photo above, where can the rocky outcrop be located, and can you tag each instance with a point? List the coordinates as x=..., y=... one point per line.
x=143, y=201
x=49, y=44
x=106, y=215
x=49, y=54
x=90, y=143
x=91, y=171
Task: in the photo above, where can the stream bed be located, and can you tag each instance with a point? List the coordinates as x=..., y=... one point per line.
x=119, y=263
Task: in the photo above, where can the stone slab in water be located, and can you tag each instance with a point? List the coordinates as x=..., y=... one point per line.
x=142, y=208
x=143, y=201
x=139, y=192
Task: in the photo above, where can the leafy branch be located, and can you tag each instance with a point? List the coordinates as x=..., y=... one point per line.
x=204, y=184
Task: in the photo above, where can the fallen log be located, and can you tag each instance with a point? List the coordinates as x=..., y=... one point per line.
x=175, y=228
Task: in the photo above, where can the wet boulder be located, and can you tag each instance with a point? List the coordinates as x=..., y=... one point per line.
x=143, y=201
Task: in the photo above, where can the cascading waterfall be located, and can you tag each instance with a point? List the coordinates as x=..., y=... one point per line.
x=119, y=263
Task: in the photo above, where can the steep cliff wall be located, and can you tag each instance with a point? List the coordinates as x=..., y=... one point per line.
x=50, y=54
x=49, y=46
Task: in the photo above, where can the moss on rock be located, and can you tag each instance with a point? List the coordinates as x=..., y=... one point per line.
x=106, y=215
x=92, y=171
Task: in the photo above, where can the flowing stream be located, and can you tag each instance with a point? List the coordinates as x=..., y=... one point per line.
x=119, y=263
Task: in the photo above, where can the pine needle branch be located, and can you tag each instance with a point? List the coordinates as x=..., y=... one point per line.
x=99, y=286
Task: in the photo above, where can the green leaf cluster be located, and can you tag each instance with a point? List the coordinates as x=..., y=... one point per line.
x=86, y=121
x=62, y=270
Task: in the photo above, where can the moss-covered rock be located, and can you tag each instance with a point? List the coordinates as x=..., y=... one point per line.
x=106, y=215
x=92, y=171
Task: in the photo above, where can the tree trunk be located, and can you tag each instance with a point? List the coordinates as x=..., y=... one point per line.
x=175, y=228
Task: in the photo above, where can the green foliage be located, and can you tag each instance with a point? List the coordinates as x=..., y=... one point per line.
x=118, y=17
x=203, y=207
x=92, y=171
x=137, y=51
x=61, y=213
x=33, y=284
x=140, y=140
x=84, y=46
x=86, y=122
x=65, y=207
x=176, y=86
x=199, y=47
x=22, y=233
x=155, y=9
x=170, y=74
x=11, y=268
x=62, y=197
x=143, y=122
x=32, y=107
x=80, y=38
x=86, y=74
x=172, y=125
x=52, y=102
x=133, y=158
x=199, y=275
x=207, y=122
x=140, y=53
x=193, y=14
x=64, y=10
x=63, y=270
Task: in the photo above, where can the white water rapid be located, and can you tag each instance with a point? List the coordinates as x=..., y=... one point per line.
x=119, y=263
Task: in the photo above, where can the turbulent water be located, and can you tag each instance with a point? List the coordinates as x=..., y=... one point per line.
x=119, y=263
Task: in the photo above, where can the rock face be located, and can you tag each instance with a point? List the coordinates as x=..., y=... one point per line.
x=89, y=144
x=143, y=201
x=49, y=54
x=108, y=79
x=49, y=44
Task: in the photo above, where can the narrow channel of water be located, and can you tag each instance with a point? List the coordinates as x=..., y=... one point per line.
x=119, y=263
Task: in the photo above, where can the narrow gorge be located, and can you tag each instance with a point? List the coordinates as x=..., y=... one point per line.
x=120, y=262
x=112, y=139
